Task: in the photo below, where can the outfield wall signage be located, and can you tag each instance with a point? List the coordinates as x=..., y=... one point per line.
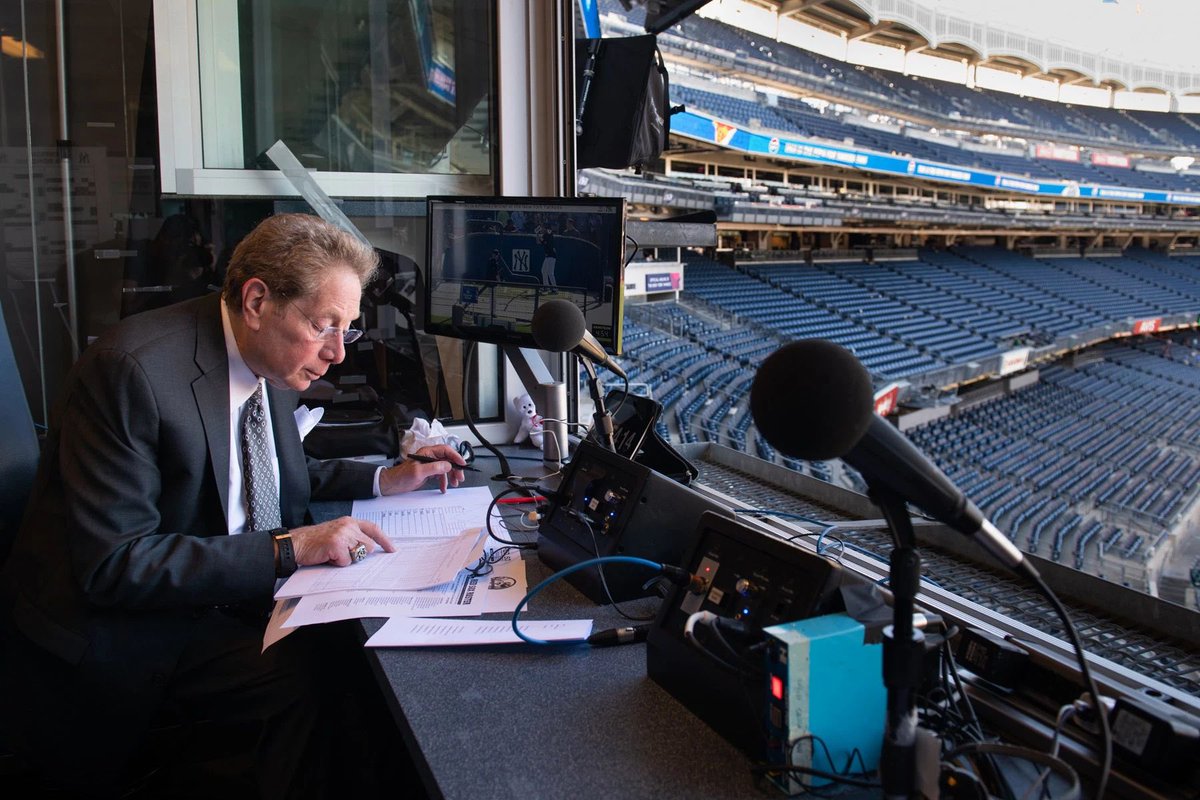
x=1014, y=361
x=729, y=135
x=1056, y=152
x=1147, y=325
x=1110, y=160
x=885, y=399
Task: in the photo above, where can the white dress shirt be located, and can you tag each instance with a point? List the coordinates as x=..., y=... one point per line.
x=242, y=383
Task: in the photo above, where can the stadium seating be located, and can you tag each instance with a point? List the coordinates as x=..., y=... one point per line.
x=1078, y=444
x=1065, y=467
x=1091, y=466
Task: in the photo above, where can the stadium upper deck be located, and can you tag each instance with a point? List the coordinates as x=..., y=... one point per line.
x=941, y=103
x=762, y=148
x=946, y=123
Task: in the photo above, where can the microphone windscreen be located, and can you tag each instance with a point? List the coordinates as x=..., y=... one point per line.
x=812, y=399
x=558, y=326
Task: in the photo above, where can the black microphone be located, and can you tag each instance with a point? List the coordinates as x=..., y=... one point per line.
x=559, y=326
x=812, y=399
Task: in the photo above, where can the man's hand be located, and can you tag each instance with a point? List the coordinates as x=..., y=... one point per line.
x=409, y=474
x=331, y=542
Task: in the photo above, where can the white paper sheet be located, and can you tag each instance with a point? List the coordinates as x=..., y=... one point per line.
x=426, y=515
x=315, y=609
x=504, y=587
x=277, y=624
x=412, y=632
x=465, y=596
x=414, y=565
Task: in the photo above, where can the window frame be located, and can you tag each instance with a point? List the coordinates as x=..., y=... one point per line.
x=181, y=122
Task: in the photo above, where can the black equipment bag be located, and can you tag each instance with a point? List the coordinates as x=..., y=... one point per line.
x=348, y=433
x=623, y=118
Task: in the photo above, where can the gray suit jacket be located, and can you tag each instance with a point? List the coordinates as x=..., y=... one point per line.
x=124, y=541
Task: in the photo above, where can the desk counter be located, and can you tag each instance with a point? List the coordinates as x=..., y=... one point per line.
x=528, y=721
x=554, y=721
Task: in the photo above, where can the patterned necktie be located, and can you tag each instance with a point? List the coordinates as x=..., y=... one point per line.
x=262, y=498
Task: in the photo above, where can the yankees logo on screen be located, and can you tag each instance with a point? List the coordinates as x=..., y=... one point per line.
x=520, y=261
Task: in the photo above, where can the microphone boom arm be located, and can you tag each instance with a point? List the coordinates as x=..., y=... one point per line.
x=600, y=417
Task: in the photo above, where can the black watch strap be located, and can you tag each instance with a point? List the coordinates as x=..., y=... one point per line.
x=287, y=554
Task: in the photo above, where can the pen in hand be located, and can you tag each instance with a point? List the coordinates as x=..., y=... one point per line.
x=431, y=460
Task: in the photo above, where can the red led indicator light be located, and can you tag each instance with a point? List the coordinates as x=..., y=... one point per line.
x=777, y=687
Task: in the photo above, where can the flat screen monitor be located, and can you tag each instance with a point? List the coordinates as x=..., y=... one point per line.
x=491, y=261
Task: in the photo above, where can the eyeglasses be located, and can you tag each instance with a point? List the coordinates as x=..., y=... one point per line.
x=330, y=333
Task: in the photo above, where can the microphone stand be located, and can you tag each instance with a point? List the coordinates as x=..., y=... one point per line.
x=903, y=651
x=601, y=418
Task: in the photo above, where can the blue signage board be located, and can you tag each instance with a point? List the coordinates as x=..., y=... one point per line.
x=731, y=136
x=662, y=282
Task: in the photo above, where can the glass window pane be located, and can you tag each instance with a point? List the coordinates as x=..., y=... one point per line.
x=363, y=86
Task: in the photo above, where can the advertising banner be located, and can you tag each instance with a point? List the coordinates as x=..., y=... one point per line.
x=663, y=282
x=1014, y=361
x=1057, y=152
x=885, y=399
x=733, y=137
x=1110, y=160
x=1147, y=325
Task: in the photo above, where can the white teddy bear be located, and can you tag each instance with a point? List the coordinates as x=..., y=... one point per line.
x=531, y=423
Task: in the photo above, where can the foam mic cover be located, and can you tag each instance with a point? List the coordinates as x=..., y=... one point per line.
x=558, y=326
x=812, y=399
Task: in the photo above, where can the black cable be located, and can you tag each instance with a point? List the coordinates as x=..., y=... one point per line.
x=739, y=671
x=632, y=252
x=1002, y=750
x=816, y=773
x=719, y=637
x=825, y=533
x=666, y=569
x=1089, y=682
x=961, y=691
x=715, y=629
x=741, y=663
x=844, y=772
x=854, y=753
x=489, y=559
x=624, y=397
x=468, y=361
x=488, y=522
x=600, y=569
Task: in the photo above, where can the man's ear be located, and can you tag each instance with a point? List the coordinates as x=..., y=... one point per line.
x=255, y=295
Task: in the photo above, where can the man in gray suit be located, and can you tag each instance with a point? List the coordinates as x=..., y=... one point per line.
x=141, y=573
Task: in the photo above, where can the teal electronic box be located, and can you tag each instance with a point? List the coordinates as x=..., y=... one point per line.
x=825, y=699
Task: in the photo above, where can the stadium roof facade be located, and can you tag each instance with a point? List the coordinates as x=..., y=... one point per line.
x=1134, y=46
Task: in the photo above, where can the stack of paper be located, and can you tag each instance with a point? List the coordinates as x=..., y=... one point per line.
x=402, y=632
x=436, y=538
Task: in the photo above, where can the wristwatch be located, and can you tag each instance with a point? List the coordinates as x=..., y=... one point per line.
x=286, y=564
